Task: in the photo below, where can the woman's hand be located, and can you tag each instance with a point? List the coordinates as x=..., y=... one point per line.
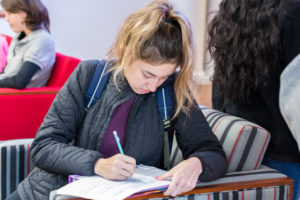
x=117, y=167
x=184, y=176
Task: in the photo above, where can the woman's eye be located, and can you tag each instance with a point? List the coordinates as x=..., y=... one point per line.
x=164, y=78
x=147, y=76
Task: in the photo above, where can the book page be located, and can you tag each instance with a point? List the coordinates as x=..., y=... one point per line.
x=96, y=187
x=149, y=171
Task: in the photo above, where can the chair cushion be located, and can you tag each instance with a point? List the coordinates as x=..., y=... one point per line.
x=244, y=142
x=62, y=69
x=15, y=164
x=22, y=113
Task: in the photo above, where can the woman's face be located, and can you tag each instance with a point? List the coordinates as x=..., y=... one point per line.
x=16, y=20
x=144, y=77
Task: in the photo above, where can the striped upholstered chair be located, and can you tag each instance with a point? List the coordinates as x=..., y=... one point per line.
x=14, y=164
x=244, y=144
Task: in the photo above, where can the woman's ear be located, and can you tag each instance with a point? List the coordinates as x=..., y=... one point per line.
x=23, y=16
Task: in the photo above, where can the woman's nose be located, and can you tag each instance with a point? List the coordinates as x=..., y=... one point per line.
x=152, y=85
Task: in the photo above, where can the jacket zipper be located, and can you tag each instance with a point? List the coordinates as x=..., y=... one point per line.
x=134, y=108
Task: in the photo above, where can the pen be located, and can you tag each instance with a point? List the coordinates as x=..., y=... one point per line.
x=118, y=142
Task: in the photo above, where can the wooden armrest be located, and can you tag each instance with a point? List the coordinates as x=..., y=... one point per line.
x=42, y=90
x=228, y=187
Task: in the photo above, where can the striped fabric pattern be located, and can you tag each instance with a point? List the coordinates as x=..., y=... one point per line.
x=266, y=193
x=14, y=164
x=244, y=142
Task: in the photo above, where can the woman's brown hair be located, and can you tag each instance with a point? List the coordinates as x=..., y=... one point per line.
x=158, y=34
x=37, y=13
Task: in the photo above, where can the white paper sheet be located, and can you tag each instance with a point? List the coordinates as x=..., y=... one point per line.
x=96, y=187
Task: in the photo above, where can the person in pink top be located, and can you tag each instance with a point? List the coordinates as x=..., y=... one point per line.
x=2, y=14
x=3, y=53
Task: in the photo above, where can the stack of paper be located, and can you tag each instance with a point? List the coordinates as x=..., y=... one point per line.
x=96, y=187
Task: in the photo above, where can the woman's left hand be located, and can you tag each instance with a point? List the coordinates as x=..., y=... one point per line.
x=184, y=176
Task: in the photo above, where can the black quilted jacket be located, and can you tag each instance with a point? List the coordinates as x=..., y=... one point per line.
x=69, y=139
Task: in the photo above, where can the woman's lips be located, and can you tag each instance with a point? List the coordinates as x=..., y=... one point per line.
x=145, y=91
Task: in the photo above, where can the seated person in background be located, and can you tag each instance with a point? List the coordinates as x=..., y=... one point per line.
x=2, y=14
x=152, y=43
x=31, y=53
x=251, y=42
x=3, y=53
x=289, y=97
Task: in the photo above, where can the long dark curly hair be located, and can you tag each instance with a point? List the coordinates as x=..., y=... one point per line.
x=245, y=45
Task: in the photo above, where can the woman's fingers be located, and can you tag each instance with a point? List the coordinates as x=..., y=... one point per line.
x=184, y=176
x=180, y=185
x=117, y=167
x=165, y=176
x=127, y=165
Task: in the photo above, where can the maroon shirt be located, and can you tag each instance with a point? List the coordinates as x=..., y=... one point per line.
x=118, y=122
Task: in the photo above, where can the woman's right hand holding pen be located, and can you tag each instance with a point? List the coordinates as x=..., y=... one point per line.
x=117, y=167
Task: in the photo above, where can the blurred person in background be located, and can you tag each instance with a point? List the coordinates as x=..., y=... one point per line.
x=251, y=42
x=3, y=52
x=31, y=53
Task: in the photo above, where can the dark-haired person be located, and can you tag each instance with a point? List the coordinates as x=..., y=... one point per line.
x=31, y=53
x=251, y=42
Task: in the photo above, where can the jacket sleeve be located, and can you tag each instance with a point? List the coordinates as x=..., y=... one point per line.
x=21, y=79
x=196, y=139
x=52, y=150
